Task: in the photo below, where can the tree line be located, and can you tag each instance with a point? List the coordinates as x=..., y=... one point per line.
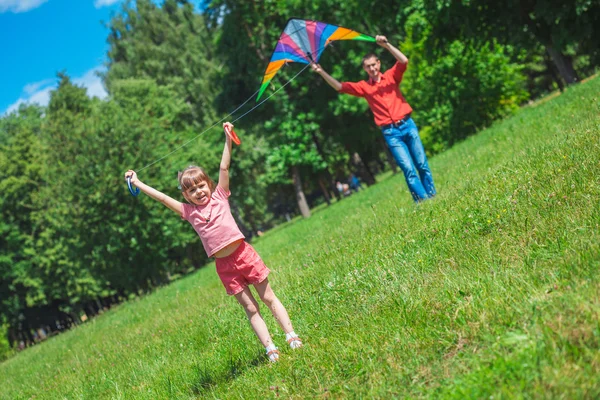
x=73, y=241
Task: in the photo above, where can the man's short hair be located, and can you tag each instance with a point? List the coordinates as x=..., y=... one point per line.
x=367, y=56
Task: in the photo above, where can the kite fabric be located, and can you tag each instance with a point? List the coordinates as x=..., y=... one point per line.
x=304, y=41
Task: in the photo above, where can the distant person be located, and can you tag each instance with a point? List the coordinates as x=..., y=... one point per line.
x=354, y=182
x=392, y=115
x=238, y=264
x=343, y=188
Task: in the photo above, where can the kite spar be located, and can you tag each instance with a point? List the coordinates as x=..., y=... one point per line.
x=304, y=41
x=301, y=41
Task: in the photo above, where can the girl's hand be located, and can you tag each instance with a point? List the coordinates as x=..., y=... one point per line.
x=131, y=174
x=227, y=125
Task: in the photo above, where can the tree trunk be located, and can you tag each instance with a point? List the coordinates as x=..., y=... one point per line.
x=563, y=65
x=302, y=204
x=12, y=336
x=379, y=165
x=362, y=169
x=328, y=176
x=323, y=187
x=553, y=73
x=388, y=156
x=236, y=213
x=332, y=188
x=543, y=33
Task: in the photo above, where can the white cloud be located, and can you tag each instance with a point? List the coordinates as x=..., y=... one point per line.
x=36, y=86
x=39, y=92
x=92, y=82
x=18, y=6
x=103, y=3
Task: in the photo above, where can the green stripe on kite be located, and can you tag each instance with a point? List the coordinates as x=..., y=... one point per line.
x=303, y=40
x=365, y=38
x=263, y=87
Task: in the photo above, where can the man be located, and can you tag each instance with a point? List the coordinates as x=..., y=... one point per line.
x=392, y=115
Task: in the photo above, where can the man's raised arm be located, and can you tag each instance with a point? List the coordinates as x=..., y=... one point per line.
x=334, y=83
x=383, y=42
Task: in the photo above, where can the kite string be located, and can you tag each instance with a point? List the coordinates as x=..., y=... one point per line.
x=284, y=85
x=198, y=135
x=225, y=117
x=240, y=106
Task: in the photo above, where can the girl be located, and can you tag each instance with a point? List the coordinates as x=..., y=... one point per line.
x=238, y=264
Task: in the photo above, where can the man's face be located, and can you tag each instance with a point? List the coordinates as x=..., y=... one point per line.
x=371, y=66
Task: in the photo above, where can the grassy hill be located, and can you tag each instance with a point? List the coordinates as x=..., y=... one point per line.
x=491, y=289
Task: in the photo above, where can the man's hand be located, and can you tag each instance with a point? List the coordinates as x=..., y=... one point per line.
x=316, y=67
x=334, y=83
x=381, y=40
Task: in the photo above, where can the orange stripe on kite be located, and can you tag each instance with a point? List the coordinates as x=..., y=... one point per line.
x=343, y=34
x=268, y=77
x=304, y=41
x=274, y=66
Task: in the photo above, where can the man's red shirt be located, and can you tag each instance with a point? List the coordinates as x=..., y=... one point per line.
x=384, y=97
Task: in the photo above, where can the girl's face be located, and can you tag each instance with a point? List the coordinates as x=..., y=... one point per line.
x=198, y=194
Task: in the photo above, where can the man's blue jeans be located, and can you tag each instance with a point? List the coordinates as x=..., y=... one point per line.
x=406, y=147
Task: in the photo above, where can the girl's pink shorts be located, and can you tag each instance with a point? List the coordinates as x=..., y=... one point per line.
x=241, y=268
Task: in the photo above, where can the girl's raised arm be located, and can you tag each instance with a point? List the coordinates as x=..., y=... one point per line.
x=225, y=161
x=155, y=194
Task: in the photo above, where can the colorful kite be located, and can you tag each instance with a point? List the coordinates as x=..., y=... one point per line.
x=304, y=41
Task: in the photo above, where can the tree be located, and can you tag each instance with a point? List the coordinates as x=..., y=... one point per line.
x=169, y=44
x=20, y=180
x=303, y=148
x=556, y=25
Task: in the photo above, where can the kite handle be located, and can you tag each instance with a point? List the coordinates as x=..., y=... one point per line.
x=231, y=133
x=135, y=192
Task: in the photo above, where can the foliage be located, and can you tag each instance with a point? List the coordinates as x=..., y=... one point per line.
x=73, y=241
x=5, y=348
x=477, y=71
x=170, y=45
x=20, y=180
x=491, y=290
x=552, y=26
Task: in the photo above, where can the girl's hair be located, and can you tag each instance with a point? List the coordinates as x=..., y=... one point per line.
x=192, y=176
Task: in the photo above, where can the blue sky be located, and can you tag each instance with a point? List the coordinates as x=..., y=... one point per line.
x=39, y=38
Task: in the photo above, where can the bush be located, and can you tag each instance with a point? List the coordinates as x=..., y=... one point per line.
x=5, y=349
x=461, y=90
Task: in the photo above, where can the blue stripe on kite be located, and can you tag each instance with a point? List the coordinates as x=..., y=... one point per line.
x=319, y=54
x=327, y=32
x=287, y=55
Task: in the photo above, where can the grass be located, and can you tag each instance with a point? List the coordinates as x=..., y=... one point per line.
x=490, y=290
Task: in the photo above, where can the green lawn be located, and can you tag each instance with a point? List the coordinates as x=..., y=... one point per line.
x=490, y=290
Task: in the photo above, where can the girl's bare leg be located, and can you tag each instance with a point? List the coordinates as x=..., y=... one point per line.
x=279, y=312
x=250, y=305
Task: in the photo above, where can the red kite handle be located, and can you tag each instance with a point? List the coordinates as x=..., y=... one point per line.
x=231, y=133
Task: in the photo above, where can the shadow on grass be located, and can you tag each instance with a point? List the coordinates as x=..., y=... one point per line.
x=210, y=377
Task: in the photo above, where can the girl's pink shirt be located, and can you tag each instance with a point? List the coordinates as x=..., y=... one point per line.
x=213, y=222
